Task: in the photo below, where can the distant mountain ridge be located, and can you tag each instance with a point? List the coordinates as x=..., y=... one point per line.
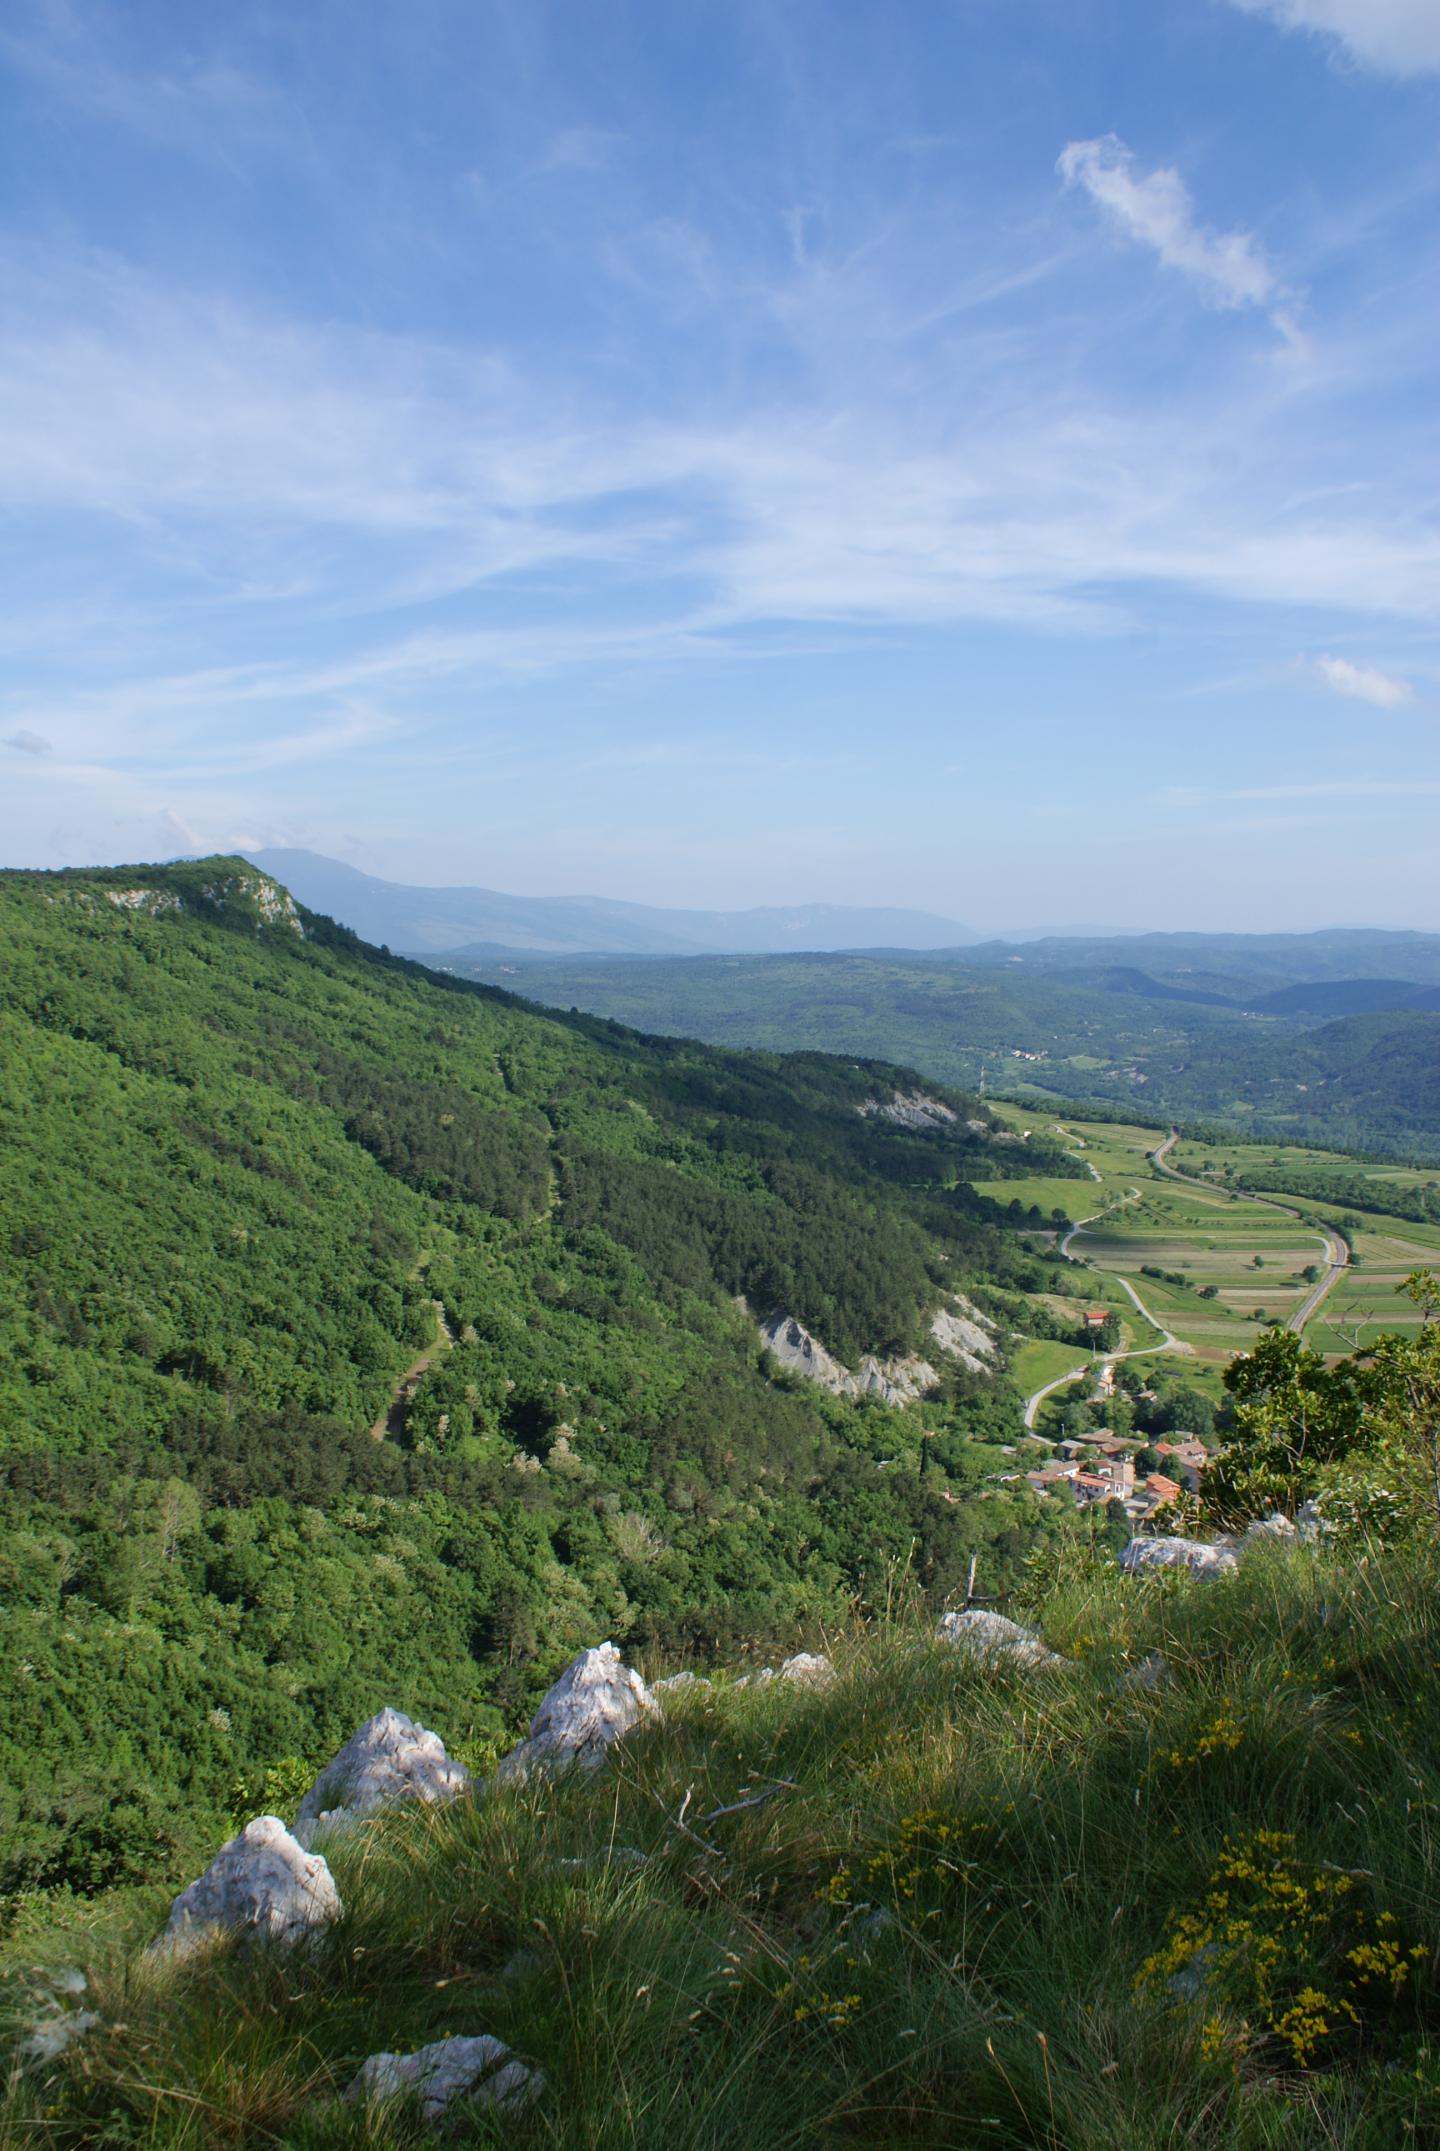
x=479, y=924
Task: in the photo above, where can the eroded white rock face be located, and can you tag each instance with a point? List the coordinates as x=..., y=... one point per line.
x=481, y=2069
x=391, y=1758
x=684, y=1679
x=995, y=1640
x=960, y=1334
x=913, y=1109
x=262, y=1884
x=1142, y=1556
x=594, y=1703
x=894, y=1381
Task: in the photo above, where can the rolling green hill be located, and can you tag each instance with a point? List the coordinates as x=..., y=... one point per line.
x=253, y=1173
x=1180, y=1041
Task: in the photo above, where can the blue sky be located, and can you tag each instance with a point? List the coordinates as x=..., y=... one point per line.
x=975, y=454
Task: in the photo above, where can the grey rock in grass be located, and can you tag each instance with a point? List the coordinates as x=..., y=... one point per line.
x=57, y=2023
x=807, y=1669
x=1276, y=1530
x=391, y=1758
x=1150, y=1675
x=49, y=2035
x=263, y=1885
x=672, y=1681
x=1143, y=1556
x=622, y=1856
x=481, y=2069
x=995, y=1640
x=595, y=1702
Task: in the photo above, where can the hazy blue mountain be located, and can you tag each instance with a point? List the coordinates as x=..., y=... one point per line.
x=482, y=923
x=1232, y=967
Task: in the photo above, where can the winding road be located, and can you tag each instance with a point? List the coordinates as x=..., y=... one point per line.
x=1169, y=1342
x=1337, y=1254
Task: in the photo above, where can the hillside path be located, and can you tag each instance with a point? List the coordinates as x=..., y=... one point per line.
x=392, y=1422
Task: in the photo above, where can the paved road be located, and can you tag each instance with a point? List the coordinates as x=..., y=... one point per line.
x=1168, y=1342
x=1337, y=1254
x=1062, y=1381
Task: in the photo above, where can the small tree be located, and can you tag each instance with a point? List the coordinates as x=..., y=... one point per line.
x=1401, y=1389
x=1293, y=1416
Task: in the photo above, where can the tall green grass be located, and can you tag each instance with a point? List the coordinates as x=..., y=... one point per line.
x=933, y=1930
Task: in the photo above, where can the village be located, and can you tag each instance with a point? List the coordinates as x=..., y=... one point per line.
x=1144, y=1476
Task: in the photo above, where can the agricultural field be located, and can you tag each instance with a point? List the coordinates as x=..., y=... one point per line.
x=1132, y=1219
x=1387, y=1249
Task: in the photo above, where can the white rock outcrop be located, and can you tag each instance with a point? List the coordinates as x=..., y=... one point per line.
x=913, y=1109
x=1142, y=1556
x=594, y=1703
x=480, y=2069
x=263, y=1884
x=391, y=1758
x=960, y=1333
x=684, y=1679
x=995, y=1640
x=957, y=1330
x=893, y=1381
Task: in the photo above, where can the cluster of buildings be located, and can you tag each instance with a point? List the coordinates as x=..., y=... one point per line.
x=1101, y=1467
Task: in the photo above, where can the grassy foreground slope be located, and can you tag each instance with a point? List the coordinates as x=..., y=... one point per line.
x=244, y=1159
x=980, y=1906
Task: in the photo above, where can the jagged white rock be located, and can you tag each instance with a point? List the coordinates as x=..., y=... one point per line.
x=482, y=2069
x=390, y=1758
x=594, y=1703
x=1200, y=1557
x=684, y=1679
x=262, y=1884
x=996, y=1640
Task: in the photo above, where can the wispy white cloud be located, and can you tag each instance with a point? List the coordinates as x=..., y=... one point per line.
x=208, y=107
x=1364, y=683
x=1399, y=37
x=1155, y=209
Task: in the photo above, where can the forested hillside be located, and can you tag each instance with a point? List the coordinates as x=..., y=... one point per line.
x=252, y=1171
x=1183, y=1040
